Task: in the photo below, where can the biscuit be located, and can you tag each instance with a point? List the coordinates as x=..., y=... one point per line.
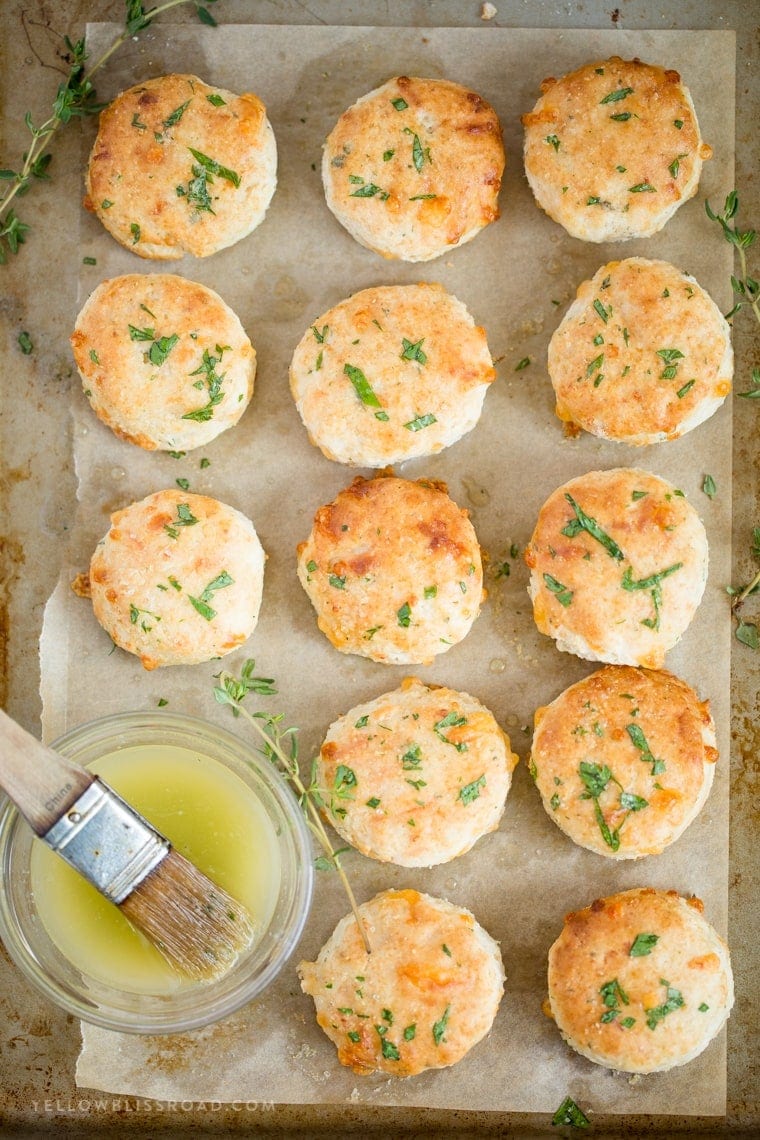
x=416, y=776
x=624, y=760
x=413, y=169
x=613, y=149
x=178, y=579
x=393, y=570
x=642, y=355
x=180, y=167
x=639, y=981
x=427, y=993
x=391, y=373
x=164, y=362
x=618, y=563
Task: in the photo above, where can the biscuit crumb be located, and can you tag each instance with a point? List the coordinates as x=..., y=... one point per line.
x=487, y=11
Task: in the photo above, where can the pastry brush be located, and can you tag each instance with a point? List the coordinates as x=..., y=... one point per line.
x=197, y=926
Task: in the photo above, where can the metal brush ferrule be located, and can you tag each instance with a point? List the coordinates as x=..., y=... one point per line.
x=107, y=841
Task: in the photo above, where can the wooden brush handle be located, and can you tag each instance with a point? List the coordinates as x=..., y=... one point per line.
x=41, y=783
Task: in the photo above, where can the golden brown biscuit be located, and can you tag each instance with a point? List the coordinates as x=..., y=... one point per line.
x=414, y=168
x=180, y=167
x=164, y=361
x=391, y=373
x=613, y=149
x=393, y=569
x=416, y=776
x=426, y=994
x=178, y=579
x=618, y=563
x=639, y=981
x=642, y=355
x=624, y=760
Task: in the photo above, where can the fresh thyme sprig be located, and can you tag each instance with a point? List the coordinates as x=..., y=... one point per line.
x=746, y=631
x=745, y=287
x=75, y=98
x=280, y=746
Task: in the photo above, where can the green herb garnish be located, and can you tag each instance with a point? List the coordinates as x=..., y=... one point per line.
x=563, y=595
x=643, y=945
x=420, y=422
x=211, y=166
x=201, y=604
x=404, y=615
x=674, y=1000
x=362, y=386
x=213, y=381
x=412, y=350
x=471, y=791
x=569, y=1113
x=185, y=517
x=639, y=741
x=616, y=95
x=177, y=114
x=439, y=1027
x=582, y=521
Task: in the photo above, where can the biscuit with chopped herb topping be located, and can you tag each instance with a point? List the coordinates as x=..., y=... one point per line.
x=640, y=981
x=618, y=563
x=416, y=776
x=624, y=760
x=180, y=167
x=642, y=355
x=165, y=363
x=391, y=373
x=613, y=149
x=178, y=579
x=413, y=169
x=393, y=570
x=427, y=993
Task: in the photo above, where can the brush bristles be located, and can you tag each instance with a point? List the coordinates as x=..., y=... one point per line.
x=196, y=925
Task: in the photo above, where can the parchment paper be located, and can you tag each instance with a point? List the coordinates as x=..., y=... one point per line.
x=517, y=278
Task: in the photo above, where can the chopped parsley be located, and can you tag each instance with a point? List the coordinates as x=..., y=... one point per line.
x=582, y=521
x=420, y=422
x=601, y=311
x=643, y=945
x=362, y=386
x=562, y=593
x=709, y=487
x=369, y=190
x=25, y=343
x=212, y=167
x=569, y=1113
x=400, y=104
x=213, y=381
x=201, y=604
x=216, y=100
x=185, y=517
x=176, y=114
x=412, y=350
x=404, y=615
x=642, y=188
x=161, y=348
x=674, y=1000
x=639, y=741
x=616, y=95
x=439, y=1027
x=553, y=141
x=612, y=996
x=471, y=791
